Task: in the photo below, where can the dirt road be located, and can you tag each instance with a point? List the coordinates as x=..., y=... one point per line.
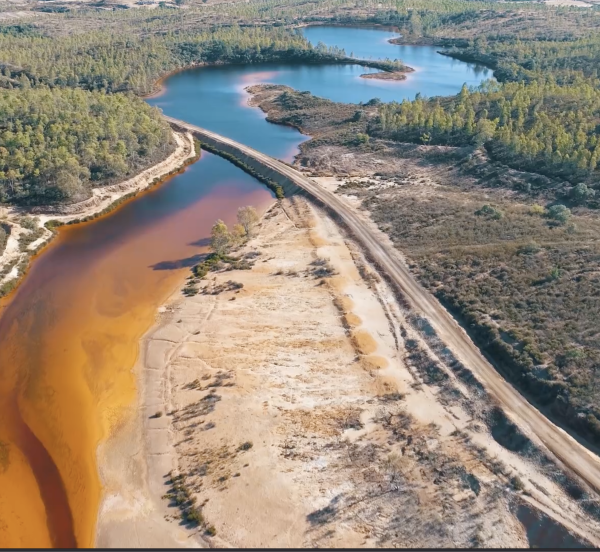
x=563, y=446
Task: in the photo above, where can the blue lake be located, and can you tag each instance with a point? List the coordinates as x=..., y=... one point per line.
x=214, y=97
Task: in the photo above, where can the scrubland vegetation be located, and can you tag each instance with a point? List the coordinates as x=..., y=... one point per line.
x=526, y=288
x=513, y=254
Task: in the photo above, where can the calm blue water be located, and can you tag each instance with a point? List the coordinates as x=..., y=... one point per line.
x=214, y=97
x=435, y=75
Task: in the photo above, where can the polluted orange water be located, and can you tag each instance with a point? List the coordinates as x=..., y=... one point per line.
x=69, y=338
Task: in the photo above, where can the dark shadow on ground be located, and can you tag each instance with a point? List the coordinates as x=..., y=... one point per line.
x=188, y=262
x=544, y=532
x=202, y=242
x=325, y=515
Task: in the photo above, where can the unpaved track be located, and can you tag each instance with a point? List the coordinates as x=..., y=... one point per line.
x=568, y=450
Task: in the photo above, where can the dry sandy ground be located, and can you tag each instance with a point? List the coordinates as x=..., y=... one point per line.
x=293, y=405
x=100, y=200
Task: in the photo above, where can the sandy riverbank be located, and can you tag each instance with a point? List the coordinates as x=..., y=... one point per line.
x=296, y=407
x=102, y=199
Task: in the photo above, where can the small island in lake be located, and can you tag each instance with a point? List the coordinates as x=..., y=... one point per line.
x=386, y=75
x=390, y=70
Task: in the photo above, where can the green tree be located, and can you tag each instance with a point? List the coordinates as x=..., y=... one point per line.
x=220, y=238
x=55, y=144
x=581, y=194
x=248, y=218
x=238, y=234
x=485, y=131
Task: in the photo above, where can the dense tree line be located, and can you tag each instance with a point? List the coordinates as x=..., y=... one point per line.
x=62, y=128
x=116, y=62
x=56, y=143
x=539, y=127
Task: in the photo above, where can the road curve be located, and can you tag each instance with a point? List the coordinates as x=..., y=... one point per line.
x=574, y=455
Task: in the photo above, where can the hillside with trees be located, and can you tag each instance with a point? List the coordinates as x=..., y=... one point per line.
x=540, y=127
x=55, y=144
x=70, y=120
x=119, y=60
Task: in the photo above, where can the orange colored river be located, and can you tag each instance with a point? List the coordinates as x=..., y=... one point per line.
x=69, y=339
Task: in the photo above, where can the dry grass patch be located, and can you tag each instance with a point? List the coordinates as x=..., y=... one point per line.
x=363, y=341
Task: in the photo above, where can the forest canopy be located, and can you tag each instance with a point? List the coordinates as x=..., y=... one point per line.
x=56, y=143
x=542, y=118
x=538, y=127
x=121, y=61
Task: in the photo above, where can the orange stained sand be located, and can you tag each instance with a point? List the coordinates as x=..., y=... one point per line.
x=364, y=342
x=68, y=341
x=374, y=362
x=352, y=320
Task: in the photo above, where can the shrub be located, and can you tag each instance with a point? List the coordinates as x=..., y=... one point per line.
x=194, y=515
x=361, y=139
x=358, y=115
x=490, y=212
x=516, y=483
x=559, y=213
x=29, y=222
x=210, y=263
x=246, y=446
x=537, y=210
x=581, y=194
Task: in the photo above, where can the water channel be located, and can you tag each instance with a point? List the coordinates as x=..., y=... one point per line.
x=69, y=334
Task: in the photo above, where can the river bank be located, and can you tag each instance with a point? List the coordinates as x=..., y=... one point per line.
x=285, y=430
x=15, y=258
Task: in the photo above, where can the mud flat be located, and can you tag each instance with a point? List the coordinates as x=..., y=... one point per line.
x=295, y=402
